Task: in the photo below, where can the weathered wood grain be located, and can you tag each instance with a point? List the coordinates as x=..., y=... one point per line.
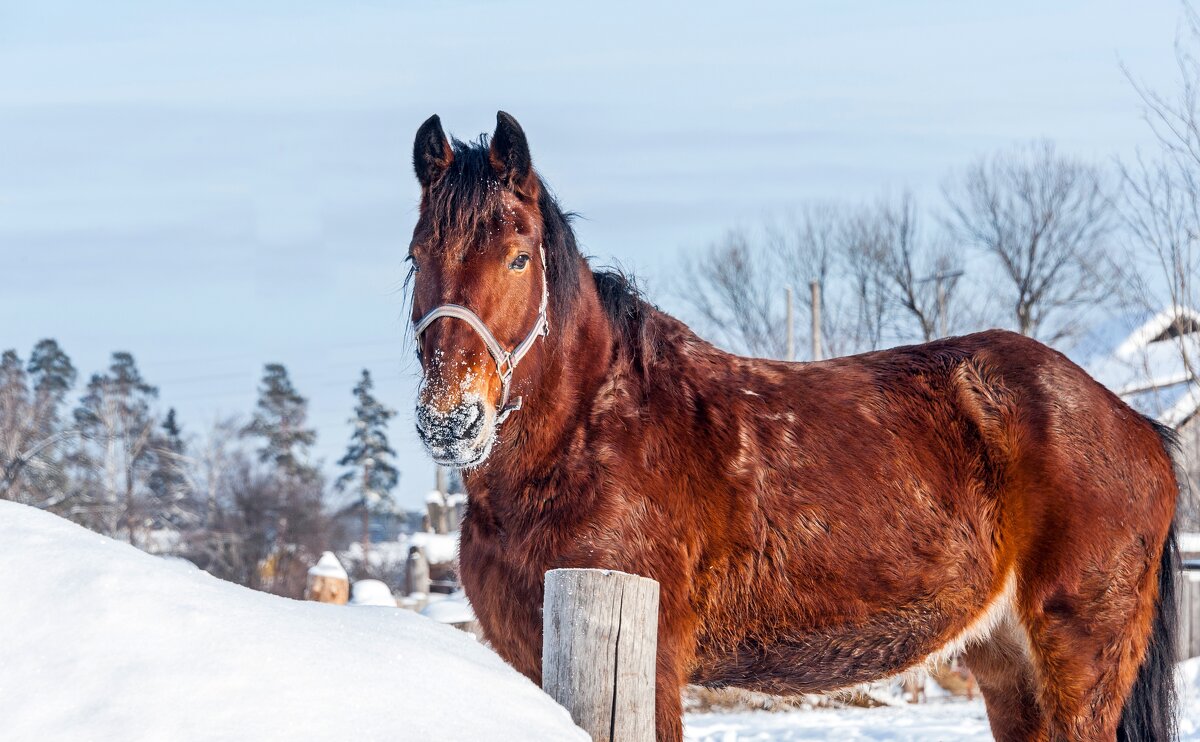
x=599, y=642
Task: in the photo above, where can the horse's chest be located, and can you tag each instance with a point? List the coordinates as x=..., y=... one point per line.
x=505, y=574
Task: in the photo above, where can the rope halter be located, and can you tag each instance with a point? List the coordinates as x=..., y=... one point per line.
x=506, y=361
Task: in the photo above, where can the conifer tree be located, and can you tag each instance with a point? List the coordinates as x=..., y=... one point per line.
x=280, y=422
x=115, y=418
x=372, y=475
x=33, y=439
x=169, y=485
x=282, y=512
x=53, y=375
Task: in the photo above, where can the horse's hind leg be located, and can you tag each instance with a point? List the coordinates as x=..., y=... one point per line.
x=1086, y=617
x=1008, y=682
x=1088, y=641
x=1059, y=667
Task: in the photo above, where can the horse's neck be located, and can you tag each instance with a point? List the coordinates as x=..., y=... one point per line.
x=576, y=359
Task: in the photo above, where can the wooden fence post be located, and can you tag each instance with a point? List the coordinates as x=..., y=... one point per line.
x=599, y=644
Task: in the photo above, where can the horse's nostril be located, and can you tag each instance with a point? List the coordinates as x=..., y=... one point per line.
x=474, y=418
x=463, y=423
x=473, y=413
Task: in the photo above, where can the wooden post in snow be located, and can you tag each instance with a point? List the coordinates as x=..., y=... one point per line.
x=599, y=644
x=328, y=581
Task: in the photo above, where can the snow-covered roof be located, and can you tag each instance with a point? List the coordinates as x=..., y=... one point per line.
x=1149, y=362
x=328, y=566
x=180, y=655
x=439, y=548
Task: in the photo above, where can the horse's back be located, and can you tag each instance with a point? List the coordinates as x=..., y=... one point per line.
x=887, y=504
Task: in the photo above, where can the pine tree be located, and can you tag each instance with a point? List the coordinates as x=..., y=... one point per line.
x=52, y=372
x=280, y=422
x=115, y=418
x=53, y=376
x=169, y=485
x=283, y=512
x=372, y=475
x=33, y=438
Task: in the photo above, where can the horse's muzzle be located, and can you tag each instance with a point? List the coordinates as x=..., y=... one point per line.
x=455, y=437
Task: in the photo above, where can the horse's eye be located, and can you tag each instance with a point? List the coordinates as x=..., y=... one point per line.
x=413, y=262
x=520, y=263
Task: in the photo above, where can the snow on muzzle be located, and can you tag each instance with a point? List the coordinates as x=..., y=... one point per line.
x=454, y=422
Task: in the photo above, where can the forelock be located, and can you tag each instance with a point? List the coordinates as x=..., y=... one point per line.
x=468, y=198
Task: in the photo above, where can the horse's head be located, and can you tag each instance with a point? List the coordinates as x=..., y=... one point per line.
x=479, y=291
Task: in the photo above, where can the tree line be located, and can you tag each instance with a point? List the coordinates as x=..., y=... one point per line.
x=1028, y=238
x=243, y=501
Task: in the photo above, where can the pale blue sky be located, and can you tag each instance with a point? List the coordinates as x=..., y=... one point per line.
x=216, y=186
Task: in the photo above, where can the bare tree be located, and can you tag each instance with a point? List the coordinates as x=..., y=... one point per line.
x=922, y=269
x=16, y=429
x=1161, y=192
x=807, y=245
x=865, y=256
x=1044, y=219
x=871, y=263
x=734, y=290
x=1160, y=208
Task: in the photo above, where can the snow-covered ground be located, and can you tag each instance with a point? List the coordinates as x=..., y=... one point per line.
x=941, y=720
x=950, y=721
x=99, y=641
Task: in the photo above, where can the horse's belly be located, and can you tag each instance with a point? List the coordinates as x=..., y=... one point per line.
x=822, y=661
x=840, y=655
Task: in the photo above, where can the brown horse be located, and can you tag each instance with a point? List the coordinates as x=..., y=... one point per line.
x=813, y=526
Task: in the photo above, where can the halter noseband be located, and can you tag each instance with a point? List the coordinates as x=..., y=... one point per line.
x=506, y=362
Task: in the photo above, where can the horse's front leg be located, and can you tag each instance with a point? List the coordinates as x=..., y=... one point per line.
x=675, y=651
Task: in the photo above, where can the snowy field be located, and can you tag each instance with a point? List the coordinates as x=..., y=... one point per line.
x=937, y=721
x=104, y=642
x=928, y=722
x=940, y=720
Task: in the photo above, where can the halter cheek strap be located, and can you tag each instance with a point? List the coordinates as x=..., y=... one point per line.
x=506, y=361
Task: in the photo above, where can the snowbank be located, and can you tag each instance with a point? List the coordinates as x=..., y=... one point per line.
x=372, y=593
x=103, y=642
x=452, y=609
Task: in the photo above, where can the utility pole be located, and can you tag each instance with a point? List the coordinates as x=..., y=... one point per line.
x=791, y=333
x=815, y=287
x=940, y=278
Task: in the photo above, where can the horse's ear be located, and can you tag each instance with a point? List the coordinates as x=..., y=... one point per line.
x=510, y=156
x=431, y=152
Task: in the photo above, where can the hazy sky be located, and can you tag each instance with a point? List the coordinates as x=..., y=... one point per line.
x=215, y=186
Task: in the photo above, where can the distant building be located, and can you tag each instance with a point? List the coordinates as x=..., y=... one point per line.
x=385, y=524
x=1151, y=362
